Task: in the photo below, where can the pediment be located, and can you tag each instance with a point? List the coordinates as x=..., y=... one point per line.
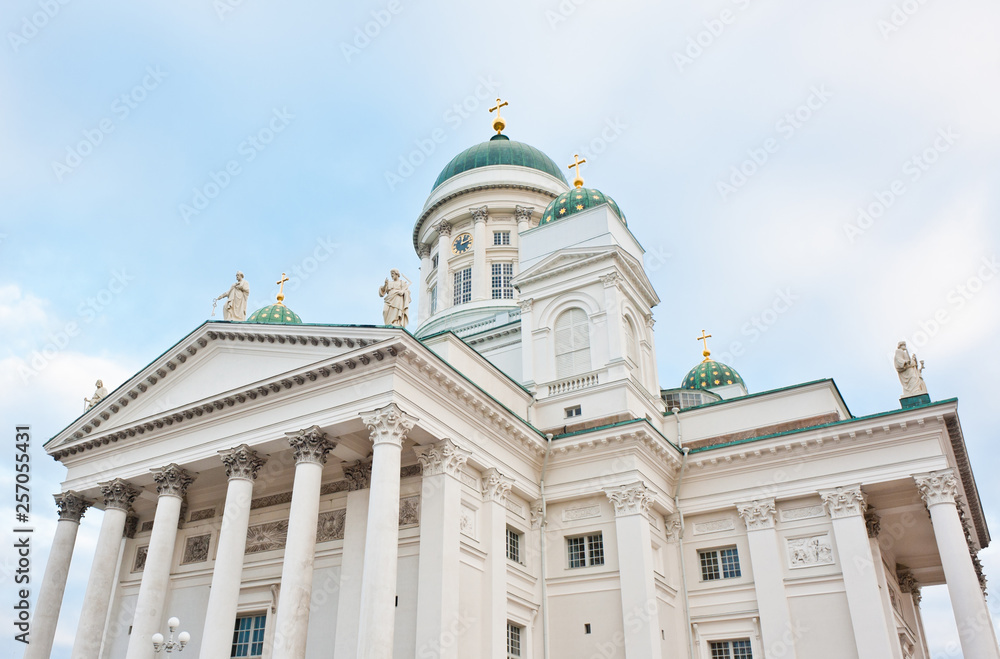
x=215, y=358
x=566, y=260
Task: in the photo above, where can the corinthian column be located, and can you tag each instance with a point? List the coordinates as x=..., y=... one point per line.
x=118, y=498
x=938, y=490
x=171, y=484
x=388, y=427
x=479, y=275
x=847, y=507
x=444, y=251
x=310, y=447
x=437, y=578
x=496, y=489
x=359, y=479
x=43, y=626
x=242, y=464
x=635, y=568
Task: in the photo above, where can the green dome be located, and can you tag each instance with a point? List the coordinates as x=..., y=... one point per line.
x=575, y=201
x=499, y=150
x=275, y=314
x=709, y=374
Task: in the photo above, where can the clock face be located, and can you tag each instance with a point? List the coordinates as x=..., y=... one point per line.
x=462, y=244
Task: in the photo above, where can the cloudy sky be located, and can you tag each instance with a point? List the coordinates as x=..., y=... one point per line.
x=840, y=156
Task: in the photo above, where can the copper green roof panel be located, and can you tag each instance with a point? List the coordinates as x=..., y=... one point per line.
x=499, y=150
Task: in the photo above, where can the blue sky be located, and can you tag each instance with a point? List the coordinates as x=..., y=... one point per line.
x=117, y=116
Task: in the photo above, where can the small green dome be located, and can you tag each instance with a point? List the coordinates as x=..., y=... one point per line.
x=499, y=150
x=709, y=374
x=275, y=314
x=575, y=201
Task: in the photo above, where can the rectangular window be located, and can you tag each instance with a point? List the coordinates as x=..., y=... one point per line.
x=719, y=564
x=248, y=637
x=463, y=286
x=501, y=237
x=434, y=261
x=513, y=641
x=573, y=411
x=513, y=545
x=586, y=550
x=731, y=649
x=502, y=274
x=434, y=299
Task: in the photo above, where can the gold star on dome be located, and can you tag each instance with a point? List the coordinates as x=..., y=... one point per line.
x=579, y=207
x=562, y=211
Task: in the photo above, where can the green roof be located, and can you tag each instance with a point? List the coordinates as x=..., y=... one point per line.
x=710, y=374
x=499, y=150
x=275, y=314
x=576, y=201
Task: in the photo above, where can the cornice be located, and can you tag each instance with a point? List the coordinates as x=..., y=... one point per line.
x=576, y=260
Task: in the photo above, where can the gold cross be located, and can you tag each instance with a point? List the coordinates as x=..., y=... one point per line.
x=281, y=290
x=704, y=338
x=498, y=123
x=577, y=182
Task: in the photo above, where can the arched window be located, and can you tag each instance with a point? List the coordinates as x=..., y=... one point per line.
x=631, y=351
x=572, y=343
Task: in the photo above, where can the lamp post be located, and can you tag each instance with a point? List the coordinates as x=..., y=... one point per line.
x=171, y=645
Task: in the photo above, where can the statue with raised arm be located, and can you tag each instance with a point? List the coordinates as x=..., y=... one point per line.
x=395, y=309
x=910, y=371
x=236, y=304
x=99, y=394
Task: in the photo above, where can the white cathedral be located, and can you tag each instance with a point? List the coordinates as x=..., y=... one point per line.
x=510, y=480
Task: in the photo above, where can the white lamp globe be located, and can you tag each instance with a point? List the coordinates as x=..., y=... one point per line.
x=183, y=637
x=173, y=623
x=157, y=638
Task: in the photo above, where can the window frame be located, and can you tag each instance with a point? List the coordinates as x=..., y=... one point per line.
x=433, y=292
x=517, y=556
x=252, y=638
x=462, y=286
x=592, y=554
x=501, y=238
x=721, y=567
x=745, y=644
x=501, y=274
x=515, y=640
x=572, y=343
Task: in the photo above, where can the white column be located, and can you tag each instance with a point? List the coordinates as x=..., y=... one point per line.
x=613, y=314
x=777, y=632
x=242, y=464
x=424, y=289
x=171, y=484
x=523, y=216
x=496, y=488
x=527, y=344
x=444, y=251
x=910, y=588
x=352, y=564
x=43, y=625
x=975, y=629
x=635, y=569
x=437, y=575
x=388, y=427
x=480, y=277
x=873, y=525
x=847, y=506
x=291, y=622
x=118, y=498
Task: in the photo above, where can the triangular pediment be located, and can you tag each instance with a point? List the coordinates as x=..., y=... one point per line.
x=216, y=358
x=565, y=261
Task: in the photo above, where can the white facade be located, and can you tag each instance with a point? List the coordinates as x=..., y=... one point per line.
x=508, y=483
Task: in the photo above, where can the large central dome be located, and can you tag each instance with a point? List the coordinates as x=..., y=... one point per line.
x=499, y=150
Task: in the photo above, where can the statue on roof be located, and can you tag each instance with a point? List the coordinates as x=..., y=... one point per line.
x=910, y=371
x=395, y=309
x=100, y=392
x=236, y=305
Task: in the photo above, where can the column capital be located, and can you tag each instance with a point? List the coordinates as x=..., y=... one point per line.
x=442, y=457
x=525, y=305
x=523, y=213
x=611, y=279
x=907, y=582
x=358, y=475
x=937, y=486
x=496, y=486
x=424, y=251
x=479, y=214
x=847, y=501
x=873, y=522
x=71, y=506
x=242, y=462
x=630, y=499
x=443, y=228
x=758, y=514
x=388, y=425
x=535, y=512
x=118, y=493
x=672, y=527
x=172, y=481
x=310, y=445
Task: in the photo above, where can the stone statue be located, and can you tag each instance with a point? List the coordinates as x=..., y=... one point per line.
x=99, y=394
x=397, y=300
x=909, y=370
x=236, y=305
